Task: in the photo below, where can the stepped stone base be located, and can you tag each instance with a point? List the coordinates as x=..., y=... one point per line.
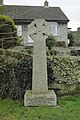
x=41, y=99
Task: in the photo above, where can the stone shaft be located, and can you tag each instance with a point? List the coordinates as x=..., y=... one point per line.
x=39, y=81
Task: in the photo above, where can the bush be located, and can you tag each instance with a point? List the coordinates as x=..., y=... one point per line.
x=66, y=69
x=60, y=44
x=71, y=38
x=75, y=52
x=16, y=72
x=8, y=32
x=50, y=42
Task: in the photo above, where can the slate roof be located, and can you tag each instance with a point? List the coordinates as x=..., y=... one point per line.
x=29, y=13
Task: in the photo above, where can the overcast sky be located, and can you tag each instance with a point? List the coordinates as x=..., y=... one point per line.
x=70, y=7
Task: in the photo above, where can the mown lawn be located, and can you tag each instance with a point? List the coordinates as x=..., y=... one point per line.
x=68, y=109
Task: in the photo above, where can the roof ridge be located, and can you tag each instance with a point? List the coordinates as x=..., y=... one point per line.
x=31, y=6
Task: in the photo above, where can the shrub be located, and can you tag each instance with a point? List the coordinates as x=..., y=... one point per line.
x=16, y=72
x=50, y=42
x=8, y=32
x=75, y=52
x=60, y=44
x=66, y=69
x=71, y=38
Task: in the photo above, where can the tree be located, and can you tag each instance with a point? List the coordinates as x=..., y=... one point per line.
x=71, y=38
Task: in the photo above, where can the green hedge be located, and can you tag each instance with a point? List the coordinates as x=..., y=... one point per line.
x=60, y=44
x=16, y=72
x=51, y=42
x=66, y=69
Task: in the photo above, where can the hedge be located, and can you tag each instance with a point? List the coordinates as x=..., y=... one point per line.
x=16, y=72
x=66, y=69
x=51, y=42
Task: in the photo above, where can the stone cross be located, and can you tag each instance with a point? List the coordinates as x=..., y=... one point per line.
x=39, y=30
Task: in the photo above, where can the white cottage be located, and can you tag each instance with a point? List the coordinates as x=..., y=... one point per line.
x=24, y=15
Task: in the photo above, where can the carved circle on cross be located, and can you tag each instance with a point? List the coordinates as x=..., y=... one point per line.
x=39, y=26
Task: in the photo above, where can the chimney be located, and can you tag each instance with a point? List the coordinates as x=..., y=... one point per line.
x=1, y=2
x=46, y=4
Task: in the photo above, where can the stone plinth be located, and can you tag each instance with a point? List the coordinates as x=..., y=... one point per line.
x=41, y=99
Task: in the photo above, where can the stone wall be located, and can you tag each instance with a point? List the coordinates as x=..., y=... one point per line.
x=63, y=33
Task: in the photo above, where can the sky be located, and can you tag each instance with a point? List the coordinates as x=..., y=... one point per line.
x=71, y=8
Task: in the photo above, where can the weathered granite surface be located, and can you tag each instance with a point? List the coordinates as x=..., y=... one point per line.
x=41, y=99
x=39, y=30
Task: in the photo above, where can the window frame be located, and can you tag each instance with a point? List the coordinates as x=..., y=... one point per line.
x=19, y=30
x=55, y=28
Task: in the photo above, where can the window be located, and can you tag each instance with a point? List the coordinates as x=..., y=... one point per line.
x=19, y=30
x=58, y=30
x=30, y=40
x=55, y=28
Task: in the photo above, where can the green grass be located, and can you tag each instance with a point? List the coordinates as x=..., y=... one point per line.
x=68, y=109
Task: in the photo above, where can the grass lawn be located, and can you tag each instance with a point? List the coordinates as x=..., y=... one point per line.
x=68, y=109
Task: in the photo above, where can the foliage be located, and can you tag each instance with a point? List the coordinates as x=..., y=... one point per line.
x=6, y=19
x=50, y=42
x=16, y=72
x=75, y=52
x=66, y=69
x=60, y=44
x=8, y=32
x=71, y=38
x=68, y=109
x=76, y=43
